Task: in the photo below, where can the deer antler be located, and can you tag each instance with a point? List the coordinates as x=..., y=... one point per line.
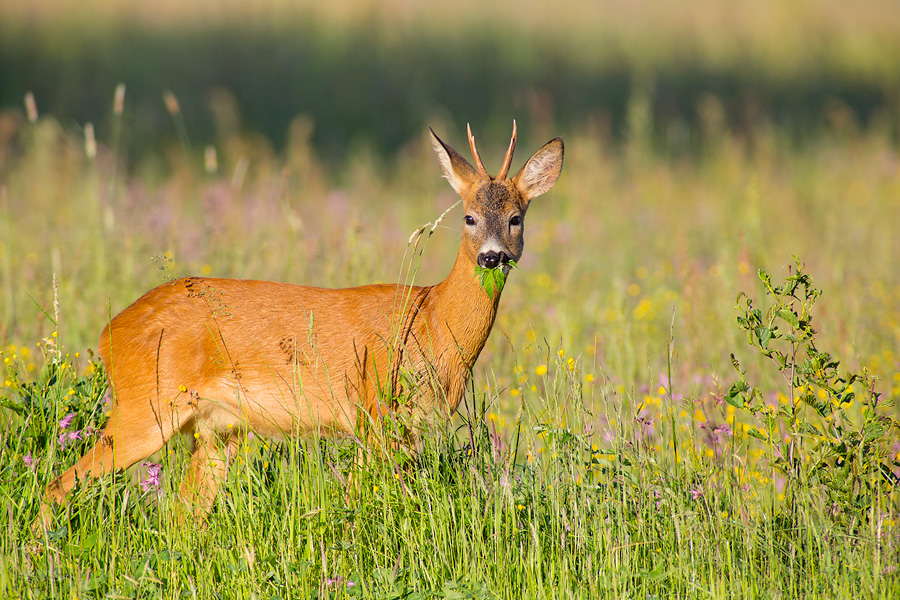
x=507, y=160
x=478, y=164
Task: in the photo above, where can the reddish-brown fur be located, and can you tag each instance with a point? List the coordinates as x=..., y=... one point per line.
x=218, y=357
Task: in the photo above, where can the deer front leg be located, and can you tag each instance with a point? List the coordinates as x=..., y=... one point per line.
x=211, y=457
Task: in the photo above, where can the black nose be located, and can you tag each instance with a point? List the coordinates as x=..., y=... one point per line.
x=490, y=260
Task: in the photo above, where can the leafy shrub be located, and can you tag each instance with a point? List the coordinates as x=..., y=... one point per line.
x=816, y=438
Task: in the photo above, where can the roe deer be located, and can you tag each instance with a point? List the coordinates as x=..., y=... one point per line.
x=218, y=357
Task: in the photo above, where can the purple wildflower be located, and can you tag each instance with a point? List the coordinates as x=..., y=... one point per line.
x=66, y=421
x=67, y=437
x=151, y=483
x=696, y=493
x=335, y=581
x=716, y=435
x=30, y=461
x=646, y=424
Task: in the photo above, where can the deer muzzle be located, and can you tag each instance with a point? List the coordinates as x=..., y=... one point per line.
x=492, y=259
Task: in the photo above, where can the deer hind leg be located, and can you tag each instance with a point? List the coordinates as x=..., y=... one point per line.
x=131, y=435
x=208, y=468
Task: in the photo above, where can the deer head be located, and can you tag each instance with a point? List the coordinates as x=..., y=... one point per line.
x=494, y=222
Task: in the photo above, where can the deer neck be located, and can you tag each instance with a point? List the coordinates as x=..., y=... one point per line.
x=463, y=311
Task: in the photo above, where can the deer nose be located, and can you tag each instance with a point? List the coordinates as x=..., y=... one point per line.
x=491, y=259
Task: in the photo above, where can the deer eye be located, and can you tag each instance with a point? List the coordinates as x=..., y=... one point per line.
x=516, y=220
x=470, y=220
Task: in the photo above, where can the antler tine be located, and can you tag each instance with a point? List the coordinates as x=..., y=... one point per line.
x=478, y=164
x=507, y=160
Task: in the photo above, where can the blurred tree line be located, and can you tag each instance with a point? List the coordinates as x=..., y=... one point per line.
x=358, y=84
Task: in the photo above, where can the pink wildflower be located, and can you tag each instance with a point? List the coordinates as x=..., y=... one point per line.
x=66, y=438
x=151, y=483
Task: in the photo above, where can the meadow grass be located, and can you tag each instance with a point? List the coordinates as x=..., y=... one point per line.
x=595, y=455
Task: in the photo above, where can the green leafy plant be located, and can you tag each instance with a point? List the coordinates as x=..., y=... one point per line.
x=495, y=278
x=818, y=436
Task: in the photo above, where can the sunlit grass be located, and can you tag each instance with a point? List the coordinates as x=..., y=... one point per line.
x=583, y=492
x=595, y=456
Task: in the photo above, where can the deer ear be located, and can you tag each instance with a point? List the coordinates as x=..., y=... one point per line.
x=457, y=170
x=541, y=171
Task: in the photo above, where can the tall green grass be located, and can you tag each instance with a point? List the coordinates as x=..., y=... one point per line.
x=595, y=455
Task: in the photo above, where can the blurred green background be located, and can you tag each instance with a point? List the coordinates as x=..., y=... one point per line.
x=376, y=73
